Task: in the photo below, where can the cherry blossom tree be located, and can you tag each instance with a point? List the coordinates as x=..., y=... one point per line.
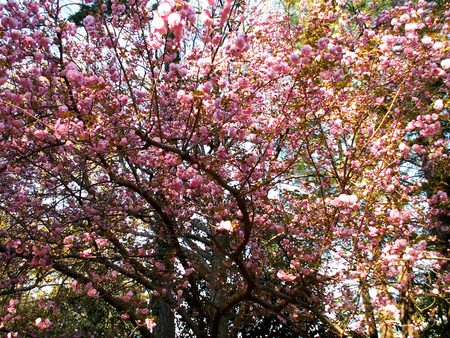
x=209, y=167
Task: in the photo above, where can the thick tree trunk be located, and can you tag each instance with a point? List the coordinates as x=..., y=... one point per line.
x=165, y=325
x=386, y=330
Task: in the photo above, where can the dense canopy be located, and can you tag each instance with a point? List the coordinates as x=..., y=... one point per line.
x=224, y=169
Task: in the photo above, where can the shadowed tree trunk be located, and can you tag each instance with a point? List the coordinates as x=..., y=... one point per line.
x=165, y=327
x=408, y=313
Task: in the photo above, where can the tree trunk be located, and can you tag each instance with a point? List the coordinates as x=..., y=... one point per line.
x=165, y=324
x=408, y=313
x=368, y=308
x=386, y=330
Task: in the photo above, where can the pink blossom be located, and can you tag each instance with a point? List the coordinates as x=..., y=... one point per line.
x=395, y=216
x=63, y=108
x=438, y=104
x=128, y=296
x=172, y=3
x=411, y=255
x=196, y=182
x=159, y=266
x=445, y=64
x=241, y=42
x=60, y=129
x=174, y=20
x=92, y=292
x=123, y=141
x=43, y=324
x=144, y=311
x=295, y=59
x=177, y=185
x=285, y=277
x=205, y=16
x=390, y=309
x=158, y=25
x=150, y=323
x=225, y=225
x=164, y=9
x=427, y=41
x=437, y=46
x=400, y=244
x=40, y=134
x=306, y=50
x=86, y=253
x=405, y=18
x=89, y=21
x=204, y=64
x=322, y=43
x=13, y=302
x=345, y=200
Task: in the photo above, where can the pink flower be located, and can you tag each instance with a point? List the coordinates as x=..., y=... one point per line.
x=400, y=244
x=306, y=50
x=295, y=59
x=395, y=216
x=92, y=292
x=206, y=18
x=225, y=225
x=159, y=266
x=285, y=277
x=241, y=42
x=427, y=41
x=158, y=25
x=128, y=296
x=144, y=311
x=438, y=104
x=43, y=324
x=390, y=309
x=86, y=253
x=88, y=21
x=40, y=134
x=60, y=129
x=13, y=302
x=322, y=43
x=346, y=200
x=405, y=18
x=204, y=64
x=150, y=323
x=164, y=9
x=123, y=141
x=177, y=185
x=174, y=20
x=196, y=182
x=445, y=64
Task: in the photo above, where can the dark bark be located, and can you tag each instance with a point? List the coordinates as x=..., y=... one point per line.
x=165, y=324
